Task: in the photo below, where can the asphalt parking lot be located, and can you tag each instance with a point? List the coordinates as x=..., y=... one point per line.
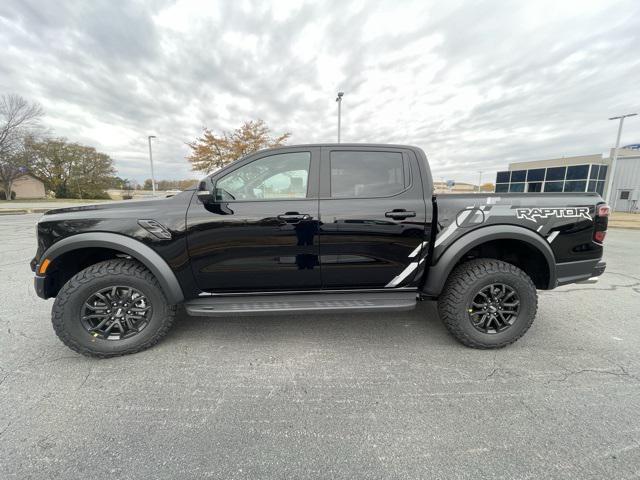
x=342, y=396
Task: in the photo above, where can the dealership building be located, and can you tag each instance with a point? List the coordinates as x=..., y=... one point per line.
x=584, y=173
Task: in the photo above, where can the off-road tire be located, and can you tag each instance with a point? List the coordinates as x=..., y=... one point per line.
x=461, y=287
x=68, y=303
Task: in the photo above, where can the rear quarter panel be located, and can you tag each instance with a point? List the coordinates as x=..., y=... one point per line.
x=564, y=220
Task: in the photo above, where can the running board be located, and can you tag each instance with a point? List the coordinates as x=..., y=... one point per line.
x=304, y=302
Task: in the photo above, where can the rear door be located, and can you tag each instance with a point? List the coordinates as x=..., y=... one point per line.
x=373, y=217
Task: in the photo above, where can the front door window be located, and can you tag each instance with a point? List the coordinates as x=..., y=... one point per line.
x=276, y=177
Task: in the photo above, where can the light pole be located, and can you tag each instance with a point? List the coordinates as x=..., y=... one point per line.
x=339, y=100
x=612, y=168
x=153, y=178
x=479, y=180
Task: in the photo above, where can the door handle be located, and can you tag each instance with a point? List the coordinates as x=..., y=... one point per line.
x=294, y=217
x=399, y=214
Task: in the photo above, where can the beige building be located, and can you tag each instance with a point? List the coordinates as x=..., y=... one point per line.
x=461, y=187
x=27, y=186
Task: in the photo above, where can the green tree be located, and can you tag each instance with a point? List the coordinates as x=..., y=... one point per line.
x=71, y=170
x=210, y=152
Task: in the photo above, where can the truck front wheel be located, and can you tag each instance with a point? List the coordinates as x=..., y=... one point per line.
x=488, y=303
x=112, y=308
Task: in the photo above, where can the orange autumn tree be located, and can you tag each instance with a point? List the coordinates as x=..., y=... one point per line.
x=210, y=152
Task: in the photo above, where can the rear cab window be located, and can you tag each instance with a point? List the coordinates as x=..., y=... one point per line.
x=367, y=174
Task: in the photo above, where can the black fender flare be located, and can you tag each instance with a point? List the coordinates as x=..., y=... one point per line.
x=129, y=246
x=438, y=273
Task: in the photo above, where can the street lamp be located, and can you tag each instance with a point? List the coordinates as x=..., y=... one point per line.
x=612, y=168
x=339, y=100
x=153, y=178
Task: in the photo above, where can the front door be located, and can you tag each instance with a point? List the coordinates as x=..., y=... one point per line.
x=373, y=217
x=261, y=233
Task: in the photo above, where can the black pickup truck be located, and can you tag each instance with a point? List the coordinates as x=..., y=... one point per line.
x=313, y=228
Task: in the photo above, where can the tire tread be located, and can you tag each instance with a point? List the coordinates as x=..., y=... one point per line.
x=101, y=270
x=456, y=287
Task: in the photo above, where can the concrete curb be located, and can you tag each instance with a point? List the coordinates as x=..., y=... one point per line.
x=633, y=226
x=22, y=211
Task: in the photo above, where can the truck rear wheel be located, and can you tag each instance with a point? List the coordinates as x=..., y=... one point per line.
x=488, y=303
x=112, y=308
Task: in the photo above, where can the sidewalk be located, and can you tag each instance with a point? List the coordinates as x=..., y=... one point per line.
x=625, y=220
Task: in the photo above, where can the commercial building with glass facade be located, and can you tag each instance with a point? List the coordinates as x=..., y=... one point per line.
x=587, y=173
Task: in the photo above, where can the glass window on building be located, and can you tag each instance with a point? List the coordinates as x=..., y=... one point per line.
x=503, y=177
x=502, y=187
x=535, y=175
x=600, y=188
x=534, y=186
x=603, y=172
x=577, y=172
x=575, y=186
x=553, y=186
x=594, y=172
x=518, y=176
x=516, y=187
x=592, y=186
x=554, y=174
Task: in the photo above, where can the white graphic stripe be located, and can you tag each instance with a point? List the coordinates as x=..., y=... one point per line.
x=552, y=236
x=415, y=252
x=402, y=275
x=447, y=232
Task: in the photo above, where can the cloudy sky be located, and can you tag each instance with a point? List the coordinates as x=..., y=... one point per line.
x=475, y=84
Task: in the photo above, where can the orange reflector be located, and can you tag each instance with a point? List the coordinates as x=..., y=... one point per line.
x=44, y=265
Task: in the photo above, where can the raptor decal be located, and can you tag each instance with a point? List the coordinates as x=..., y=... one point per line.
x=535, y=213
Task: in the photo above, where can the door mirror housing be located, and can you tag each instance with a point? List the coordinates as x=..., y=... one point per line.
x=209, y=193
x=205, y=192
x=205, y=195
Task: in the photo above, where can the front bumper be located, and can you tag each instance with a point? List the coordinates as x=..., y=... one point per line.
x=39, y=285
x=583, y=271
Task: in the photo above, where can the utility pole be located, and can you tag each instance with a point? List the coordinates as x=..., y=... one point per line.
x=339, y=100
x=153, y=178
x=612, y=167
x=479, y=180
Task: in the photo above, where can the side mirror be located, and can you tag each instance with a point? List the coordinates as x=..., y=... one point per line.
x=205, y=195
x=205, y=191
x=208, y=193
x=213, y=195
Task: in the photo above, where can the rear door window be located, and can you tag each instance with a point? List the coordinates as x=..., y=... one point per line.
x=363, y=174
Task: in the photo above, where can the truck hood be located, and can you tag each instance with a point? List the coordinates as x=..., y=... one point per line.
x=119, y=205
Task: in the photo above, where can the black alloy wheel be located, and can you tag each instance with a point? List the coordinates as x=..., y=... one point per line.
x=494, y=308
x=115, y=313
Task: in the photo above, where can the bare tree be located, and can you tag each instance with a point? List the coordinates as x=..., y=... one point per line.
x=19, y=119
